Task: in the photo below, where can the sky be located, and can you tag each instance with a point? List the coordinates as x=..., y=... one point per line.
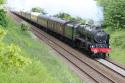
x=82, y=8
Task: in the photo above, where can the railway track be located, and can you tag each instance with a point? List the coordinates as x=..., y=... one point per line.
x=116, y=68
x=84, y=65
x=116, y=63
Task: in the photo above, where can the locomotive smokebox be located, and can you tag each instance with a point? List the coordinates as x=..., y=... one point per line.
x=100, y=37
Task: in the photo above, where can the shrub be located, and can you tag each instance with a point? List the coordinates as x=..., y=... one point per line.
x=2, y=33
x=11, y=55
x=3, y=19
x=24, y=26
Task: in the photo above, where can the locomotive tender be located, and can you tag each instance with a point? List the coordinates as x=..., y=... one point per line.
x=90, y=38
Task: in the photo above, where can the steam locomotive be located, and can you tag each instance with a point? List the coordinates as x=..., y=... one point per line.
x=93, y=39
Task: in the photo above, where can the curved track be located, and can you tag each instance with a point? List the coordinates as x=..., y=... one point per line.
x=84, y=65
x=116, y=68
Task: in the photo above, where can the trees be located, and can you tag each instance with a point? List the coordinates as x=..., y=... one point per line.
x=80, y=20
x=3, y=20
x=39, y=10
x=68, y=17
x=64, y=16
x=114, y=12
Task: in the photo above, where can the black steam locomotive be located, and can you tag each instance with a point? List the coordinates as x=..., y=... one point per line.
x=87, y=37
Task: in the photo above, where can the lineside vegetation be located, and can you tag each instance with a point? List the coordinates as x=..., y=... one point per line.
x=42, y=62
x=24, y=59
x=114, y=21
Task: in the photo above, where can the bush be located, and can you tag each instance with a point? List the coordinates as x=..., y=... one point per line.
x=24, y=26
x=11, y=55
x=3, y=19
x=2, y=33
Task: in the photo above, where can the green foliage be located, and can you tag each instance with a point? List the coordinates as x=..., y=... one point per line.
x=117, y=42
x=117, y=39
x=39, y=10
x=115, y=24
x=68, y=17
x=2, y=1
x=2, y=33
x=24, y=26
x=64, y=16
x=114, y=12
x=34, y=73
x=43, y=59
x=118, y=46
x=80, y=20
x=11, y=58
x=3, y=19
x=10, y=55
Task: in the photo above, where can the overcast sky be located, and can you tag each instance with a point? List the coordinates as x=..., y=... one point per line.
x=81, y=8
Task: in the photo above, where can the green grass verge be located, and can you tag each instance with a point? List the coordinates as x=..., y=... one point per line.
x=35, y=73
x=45, y=67
x=117, y=40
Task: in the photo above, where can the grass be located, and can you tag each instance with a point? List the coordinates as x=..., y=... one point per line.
x=118, y=45
x=45, y=67
x=35, y=73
